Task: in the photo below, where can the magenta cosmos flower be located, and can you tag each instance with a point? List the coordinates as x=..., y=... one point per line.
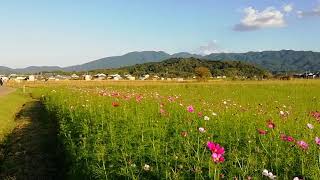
x=217, y=158
x=217, y=151
x=190, y=109
x=303, y=145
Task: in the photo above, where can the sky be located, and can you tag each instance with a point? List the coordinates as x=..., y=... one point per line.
x=68, y=32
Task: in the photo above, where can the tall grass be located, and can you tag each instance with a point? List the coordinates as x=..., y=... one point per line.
x=146, y=132
x=9, y=106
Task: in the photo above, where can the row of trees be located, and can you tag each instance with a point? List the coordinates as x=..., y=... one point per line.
x=190, y=67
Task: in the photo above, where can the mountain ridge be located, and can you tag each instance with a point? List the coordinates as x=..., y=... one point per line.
x=275, y=61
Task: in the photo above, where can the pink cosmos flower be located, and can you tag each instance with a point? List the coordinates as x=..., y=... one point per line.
x=286, y=138
x=162, y=111
x=303, y=145
x=317, y=139
x=217, y=152
x=270, y=124
x=217, y=158
x=290, y=139
x=316, y=115
x=283, y=137
x=262, y=132
x=190, y=109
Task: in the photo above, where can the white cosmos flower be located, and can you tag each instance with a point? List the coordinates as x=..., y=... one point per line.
x=146, y=167
x=202, y=130
x=271, y=176
x=214, y=114
x=206, y=118
x=310, y=126
x=265, y=172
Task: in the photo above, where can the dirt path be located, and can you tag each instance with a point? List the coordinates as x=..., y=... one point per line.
x=5, y=90
x=30, y=152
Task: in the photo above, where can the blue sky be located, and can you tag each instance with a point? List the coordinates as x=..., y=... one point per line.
x=66, y=32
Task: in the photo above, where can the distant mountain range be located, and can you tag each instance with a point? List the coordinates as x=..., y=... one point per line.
x=274, y=61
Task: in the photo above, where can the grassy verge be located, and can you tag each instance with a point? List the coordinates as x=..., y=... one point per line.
x=9, y=105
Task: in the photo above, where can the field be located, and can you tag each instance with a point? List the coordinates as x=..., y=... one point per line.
x=213, y=130
x=9, y=106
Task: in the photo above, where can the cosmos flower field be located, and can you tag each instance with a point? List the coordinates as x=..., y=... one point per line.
x=229, y=130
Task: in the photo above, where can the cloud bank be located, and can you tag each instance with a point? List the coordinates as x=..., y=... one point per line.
x=268, y=18
x=211, y=47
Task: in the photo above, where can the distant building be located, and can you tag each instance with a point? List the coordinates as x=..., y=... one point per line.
x=31, y=78
x=74, y=77
x=145, y=77
x=100, y=76
x=130, y=77
x=88, y=77
x=4, y=78
x=115, y=77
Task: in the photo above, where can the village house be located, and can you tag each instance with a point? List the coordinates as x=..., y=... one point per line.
x=4, y=78
x=115, y=77
x=31, y=78
x=130, y=77
x=100, y=76
x=74, y=77
x=87, y=77
x=145, y=77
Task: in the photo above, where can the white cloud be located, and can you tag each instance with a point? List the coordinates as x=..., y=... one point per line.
x=211, y=47
x=288, y=8
x=313, y=12
x=255, y=19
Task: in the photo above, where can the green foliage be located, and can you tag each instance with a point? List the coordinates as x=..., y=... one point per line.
x=107, y=142
x=9, y=105
x=275, y=61
x=202, y=73
x=185, y=67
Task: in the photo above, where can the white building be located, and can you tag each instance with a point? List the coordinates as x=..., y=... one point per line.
x=88, y=77
x=145, y=77
x=74, y=76
x=31, y=78
x=4, y=78
x=100, y=76
x=115, y=77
